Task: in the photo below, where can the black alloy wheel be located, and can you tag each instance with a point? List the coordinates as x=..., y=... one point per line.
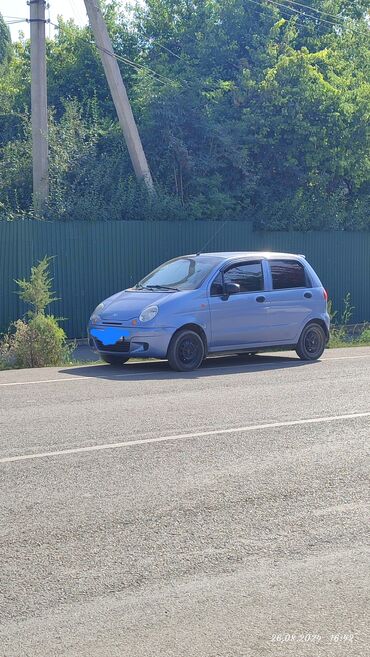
x=312, y=342
x=186, y=351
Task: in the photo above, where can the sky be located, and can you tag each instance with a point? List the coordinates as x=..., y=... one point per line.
x=19, y=9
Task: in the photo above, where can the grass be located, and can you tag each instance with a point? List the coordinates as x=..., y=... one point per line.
x=343, y=337
x=342, y=333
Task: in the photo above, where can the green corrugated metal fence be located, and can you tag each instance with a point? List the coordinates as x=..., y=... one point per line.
x=95, y=260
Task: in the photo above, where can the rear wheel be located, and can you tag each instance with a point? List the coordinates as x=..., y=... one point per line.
x=114, y=360
x=312, y=342
x=186, y=351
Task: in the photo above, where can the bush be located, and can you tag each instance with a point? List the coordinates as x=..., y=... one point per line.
x=41, y=342
x=364, y=338
x=342, y=333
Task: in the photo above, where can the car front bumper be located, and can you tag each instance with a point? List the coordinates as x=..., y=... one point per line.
x=131, y=341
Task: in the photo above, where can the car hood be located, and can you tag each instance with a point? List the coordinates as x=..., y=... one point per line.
x=128, y=305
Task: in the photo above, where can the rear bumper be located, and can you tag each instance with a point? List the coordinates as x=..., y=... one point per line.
x=130, y=341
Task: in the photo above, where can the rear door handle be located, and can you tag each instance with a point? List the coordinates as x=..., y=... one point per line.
x=308, y=295
x=260, y=299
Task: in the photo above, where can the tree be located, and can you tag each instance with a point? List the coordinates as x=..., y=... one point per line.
x=36, y=291
x=38, y=341
x=5, y=41
x=247, y=110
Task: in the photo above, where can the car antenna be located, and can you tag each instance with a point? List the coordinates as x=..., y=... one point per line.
x=212, y=238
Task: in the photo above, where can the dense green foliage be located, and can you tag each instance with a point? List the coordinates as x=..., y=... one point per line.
x=40, y=342
x=5, y=42
x=247, y=109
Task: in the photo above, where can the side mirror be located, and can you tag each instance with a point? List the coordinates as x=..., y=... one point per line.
x=231, y=288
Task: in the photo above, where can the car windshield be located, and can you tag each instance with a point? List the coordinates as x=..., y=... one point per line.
x=186, y=273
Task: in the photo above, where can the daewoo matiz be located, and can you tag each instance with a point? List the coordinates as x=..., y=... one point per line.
x=209, y=303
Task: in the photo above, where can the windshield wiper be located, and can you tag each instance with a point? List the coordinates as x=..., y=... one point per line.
x=161, y=287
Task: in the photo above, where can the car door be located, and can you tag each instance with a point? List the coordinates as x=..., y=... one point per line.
x=238, y=320
x=290, y=300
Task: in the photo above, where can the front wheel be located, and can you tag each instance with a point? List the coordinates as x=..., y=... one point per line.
x=114, y=360
x=186, y=351
x=312, y=342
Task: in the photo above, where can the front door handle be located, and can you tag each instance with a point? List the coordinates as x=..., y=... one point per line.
x=308, y=295
x=260, y=299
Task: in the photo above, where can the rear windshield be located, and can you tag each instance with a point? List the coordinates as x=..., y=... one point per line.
x=185, y=273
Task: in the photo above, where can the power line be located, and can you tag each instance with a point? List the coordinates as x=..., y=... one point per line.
x=19, y=20
x=152, y=40
x=157, y=76
x=265, y=8
x=77, y=13
x=302, y=13
x=165, y=48
x=319, y=11
x=296, y=12
x=126, y=60
x=129, y=62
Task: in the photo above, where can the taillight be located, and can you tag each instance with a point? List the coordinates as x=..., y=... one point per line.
x=325, y=295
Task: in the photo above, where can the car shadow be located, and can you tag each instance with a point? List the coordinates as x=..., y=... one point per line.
x=213, y=366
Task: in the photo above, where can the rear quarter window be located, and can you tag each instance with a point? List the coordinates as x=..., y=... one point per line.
x=287, y=274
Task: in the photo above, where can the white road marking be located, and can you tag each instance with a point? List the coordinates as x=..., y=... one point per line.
x=183, y=436
x=29, y=383
x=210, y=369
x=77, y=378
x=346, y=357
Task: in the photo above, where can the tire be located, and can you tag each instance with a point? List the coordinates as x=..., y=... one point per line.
x=312, y=342
x=114, y=360
x=186, y=351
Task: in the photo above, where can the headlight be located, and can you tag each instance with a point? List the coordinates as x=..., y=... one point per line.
x=149, y=313
x=95, y=317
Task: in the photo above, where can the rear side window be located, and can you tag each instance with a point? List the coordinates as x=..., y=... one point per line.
x=288, y=274
x=247, y=275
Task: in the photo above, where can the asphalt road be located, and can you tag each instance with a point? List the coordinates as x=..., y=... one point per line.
x=217, y=514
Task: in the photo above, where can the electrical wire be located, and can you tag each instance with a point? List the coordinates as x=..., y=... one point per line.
x=165, y=48
x=20, y=20
x=284, y=8
x=319, y=11
x=76, y=12
x=289, y=16
x=157, y=76
x=262, y=8
x=302, y=13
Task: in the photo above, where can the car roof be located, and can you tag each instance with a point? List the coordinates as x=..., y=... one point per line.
x=232, y=255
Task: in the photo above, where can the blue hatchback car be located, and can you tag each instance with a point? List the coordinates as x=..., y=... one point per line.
x=210, y=303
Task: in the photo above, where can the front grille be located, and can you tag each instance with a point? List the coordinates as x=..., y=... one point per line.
x=112, y=323
x=119, y=347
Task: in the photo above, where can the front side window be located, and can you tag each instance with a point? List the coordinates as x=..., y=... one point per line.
x=248, y=275
x=287, y=274
x=180, y=274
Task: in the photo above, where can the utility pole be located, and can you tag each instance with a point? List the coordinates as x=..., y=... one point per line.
x=39, y=109
x=119, y=93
